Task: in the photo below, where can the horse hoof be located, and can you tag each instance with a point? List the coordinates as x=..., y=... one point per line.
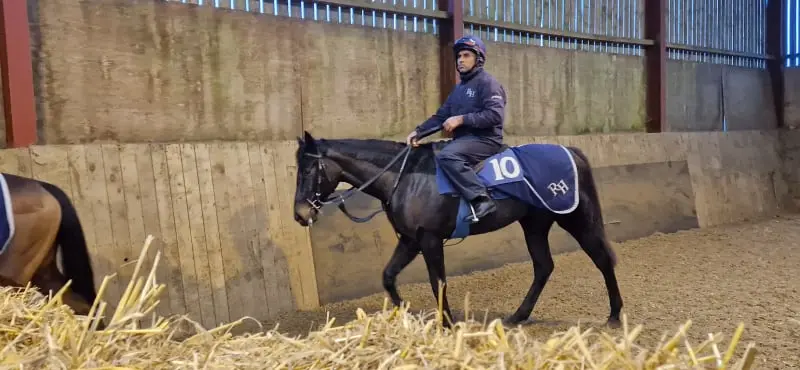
x=614, y=323
x=510, y=322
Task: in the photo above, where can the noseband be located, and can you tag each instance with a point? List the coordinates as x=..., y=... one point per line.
x=317, y=203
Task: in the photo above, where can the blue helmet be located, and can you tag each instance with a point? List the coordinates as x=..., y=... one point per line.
x=471, y=43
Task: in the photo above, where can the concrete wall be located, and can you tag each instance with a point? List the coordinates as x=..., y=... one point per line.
x=562, y=92
x=104, y=70
x=699, y=95
x=792, y=98
x=791, y=135
x=790, y=153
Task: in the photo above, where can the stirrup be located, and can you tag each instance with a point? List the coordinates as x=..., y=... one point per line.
x=474, y=216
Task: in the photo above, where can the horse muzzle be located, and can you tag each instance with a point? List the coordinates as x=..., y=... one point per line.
x=305, y=214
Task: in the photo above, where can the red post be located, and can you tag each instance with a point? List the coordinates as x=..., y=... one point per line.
x=16, y=68
x=776, y=23
x=450, y=30
x=655, y=28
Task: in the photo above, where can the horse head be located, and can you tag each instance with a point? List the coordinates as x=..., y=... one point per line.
x=317, y=178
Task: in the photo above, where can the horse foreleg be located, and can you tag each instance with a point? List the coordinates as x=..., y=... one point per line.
x=433, y=252
x=404, y=253
x=536, y=229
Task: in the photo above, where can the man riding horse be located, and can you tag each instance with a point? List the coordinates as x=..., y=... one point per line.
x=474, y=113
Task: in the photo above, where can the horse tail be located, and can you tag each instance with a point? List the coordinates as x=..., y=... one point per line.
x=596, y=212
x=74, y=252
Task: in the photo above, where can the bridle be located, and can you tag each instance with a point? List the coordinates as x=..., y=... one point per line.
x=317, y=202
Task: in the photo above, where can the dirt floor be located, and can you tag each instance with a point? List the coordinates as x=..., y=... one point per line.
x=716, y=277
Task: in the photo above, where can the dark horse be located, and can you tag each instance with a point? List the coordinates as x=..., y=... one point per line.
x=423, y=218
x=45, y=218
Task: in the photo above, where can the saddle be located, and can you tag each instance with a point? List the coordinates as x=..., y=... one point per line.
x=437, y=147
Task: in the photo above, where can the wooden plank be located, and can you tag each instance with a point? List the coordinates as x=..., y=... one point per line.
x=104, y=242
x=81, y=188
x=120, y=241
x=133, y=203
x=297, y=250
x=194, y=206
x=252, y=277
x=264, y=245
x=183, y=234
x=213, y=251
x=223, y=187
x=277, y=277
x=51, y=164
x=16, y=161
x=174, y=283
x=149, y=203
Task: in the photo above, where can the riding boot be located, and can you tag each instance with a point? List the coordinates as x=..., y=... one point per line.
x=482, y=205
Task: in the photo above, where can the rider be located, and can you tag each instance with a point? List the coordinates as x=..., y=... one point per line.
x=474, y=113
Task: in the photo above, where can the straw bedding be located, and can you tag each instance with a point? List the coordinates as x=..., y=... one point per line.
x=39, y=332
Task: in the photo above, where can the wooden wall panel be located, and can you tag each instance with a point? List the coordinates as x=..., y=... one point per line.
x=220, y=214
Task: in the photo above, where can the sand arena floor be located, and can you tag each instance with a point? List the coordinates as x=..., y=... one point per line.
x=716, y=277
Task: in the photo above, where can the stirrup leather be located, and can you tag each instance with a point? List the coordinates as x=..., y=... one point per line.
x=474, y=216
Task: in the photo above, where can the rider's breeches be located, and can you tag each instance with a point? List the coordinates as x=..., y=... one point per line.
x=457, y=158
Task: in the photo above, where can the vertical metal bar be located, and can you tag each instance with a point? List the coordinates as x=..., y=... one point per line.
x=704, y=31
x=796, y=32
x=740, y=22
x=789, y=28
x=656, y=65
x=452, y=28
x=692, y=25
x=749, y=18
x=16, y=67
x=671, y=32
x=775, y=23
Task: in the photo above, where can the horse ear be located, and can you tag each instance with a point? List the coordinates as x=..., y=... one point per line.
x=307, y=136
x=299, y=141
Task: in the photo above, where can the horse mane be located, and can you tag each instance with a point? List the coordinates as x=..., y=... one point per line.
x=381, y=151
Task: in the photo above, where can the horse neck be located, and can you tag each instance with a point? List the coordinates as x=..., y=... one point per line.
x=361, y=160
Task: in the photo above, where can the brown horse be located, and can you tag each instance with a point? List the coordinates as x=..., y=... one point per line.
x=44, y=218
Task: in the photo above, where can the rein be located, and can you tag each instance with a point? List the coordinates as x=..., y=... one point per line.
x=317, y=203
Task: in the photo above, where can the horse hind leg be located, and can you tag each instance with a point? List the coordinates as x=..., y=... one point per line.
x=49, y=278
x=590, y=234
x=37, y=216
x=404, y=253
x=536, y=227
x=32, y=254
